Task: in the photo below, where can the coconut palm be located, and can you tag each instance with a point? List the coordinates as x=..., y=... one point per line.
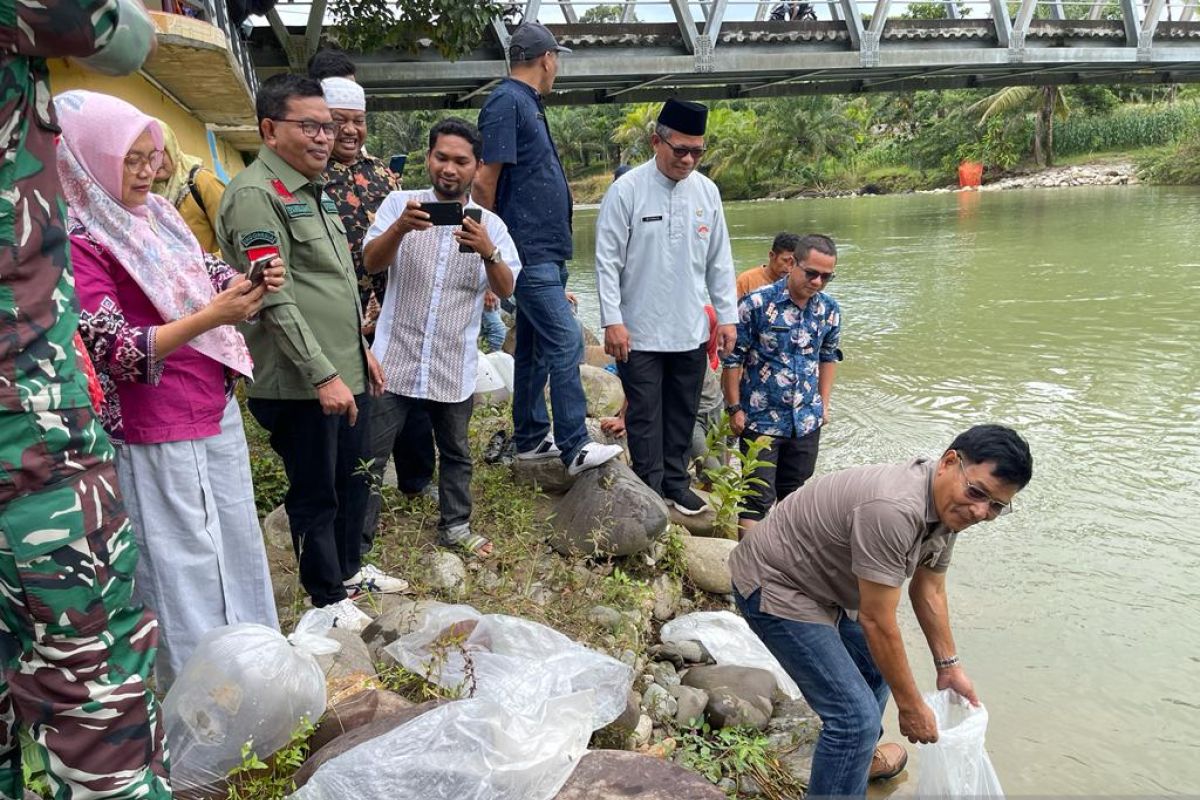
x=1045, y=102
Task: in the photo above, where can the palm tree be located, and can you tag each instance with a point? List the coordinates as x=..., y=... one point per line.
x=1046, y=102
x=633, y=133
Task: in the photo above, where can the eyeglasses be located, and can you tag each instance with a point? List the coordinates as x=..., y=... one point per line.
x=816, y=274
x=310, y=128
x=136, y=162
x=696, y=153
x=977, y=495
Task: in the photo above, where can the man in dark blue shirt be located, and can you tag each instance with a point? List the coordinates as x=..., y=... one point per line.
x=522, y=180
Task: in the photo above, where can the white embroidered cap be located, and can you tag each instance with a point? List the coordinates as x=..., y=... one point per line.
x=344, y=93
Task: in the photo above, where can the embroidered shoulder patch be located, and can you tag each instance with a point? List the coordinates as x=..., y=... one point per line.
x=259, y=239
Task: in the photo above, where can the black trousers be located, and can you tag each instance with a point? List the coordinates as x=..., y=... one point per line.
x=451, y=424
x=792, y=462
x=414, y=453
x=663, y=390
x=327, y=496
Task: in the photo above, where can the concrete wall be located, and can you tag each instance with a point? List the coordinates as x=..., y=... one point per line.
x=135, y=89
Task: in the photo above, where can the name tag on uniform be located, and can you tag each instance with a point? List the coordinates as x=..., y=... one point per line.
x=328, y=205
x=656, y=218
x=298, y=209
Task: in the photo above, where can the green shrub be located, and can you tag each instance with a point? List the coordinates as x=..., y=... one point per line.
x=1127, y=128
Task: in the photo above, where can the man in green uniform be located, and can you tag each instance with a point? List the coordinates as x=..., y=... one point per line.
x=74, y=650
x=312, y=366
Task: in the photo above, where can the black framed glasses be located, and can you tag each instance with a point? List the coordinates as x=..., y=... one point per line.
x=136, y=162
x=310, y=128
x=977, y=495
x=682, y=152
x=816, y=274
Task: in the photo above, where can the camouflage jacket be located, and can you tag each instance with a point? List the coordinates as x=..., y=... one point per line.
x=358, y=190
x=45, y=415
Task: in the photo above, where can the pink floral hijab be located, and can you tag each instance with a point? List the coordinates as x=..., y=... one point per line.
x=152, y=242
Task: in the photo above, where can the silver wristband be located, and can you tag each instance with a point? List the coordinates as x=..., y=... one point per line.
x=946, y=663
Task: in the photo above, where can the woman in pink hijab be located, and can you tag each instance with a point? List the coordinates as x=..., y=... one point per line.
x=158, y=317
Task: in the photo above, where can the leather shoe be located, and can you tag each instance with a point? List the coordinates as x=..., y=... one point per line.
x=889, y=761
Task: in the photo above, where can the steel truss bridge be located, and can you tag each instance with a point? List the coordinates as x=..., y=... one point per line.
x=732, y=49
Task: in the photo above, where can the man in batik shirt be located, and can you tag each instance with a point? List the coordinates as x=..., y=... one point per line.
x=74, y=650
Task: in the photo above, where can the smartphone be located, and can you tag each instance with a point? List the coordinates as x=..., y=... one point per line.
x=258, y=269
x=444, y=213
x=397, y=163
x=475, y=214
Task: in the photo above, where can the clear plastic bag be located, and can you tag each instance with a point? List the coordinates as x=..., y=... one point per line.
x=535, y=696
x=244, y=683
x=729, y=640
x=957, y=764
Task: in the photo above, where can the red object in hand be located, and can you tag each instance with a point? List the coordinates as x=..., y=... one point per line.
x=95, y=392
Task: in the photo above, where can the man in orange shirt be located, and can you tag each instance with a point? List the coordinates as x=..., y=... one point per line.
x=780, y=261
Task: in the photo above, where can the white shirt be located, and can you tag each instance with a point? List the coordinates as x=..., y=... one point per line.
x=662, y=254
x=427, y=337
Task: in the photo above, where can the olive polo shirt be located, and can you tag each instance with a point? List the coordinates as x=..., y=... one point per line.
x=309, y=330
x=878, y=523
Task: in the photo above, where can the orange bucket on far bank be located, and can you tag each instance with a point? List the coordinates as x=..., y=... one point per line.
x=970, y=174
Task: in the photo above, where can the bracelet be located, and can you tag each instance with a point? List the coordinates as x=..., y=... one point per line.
x=321, y=383
x=947, y=663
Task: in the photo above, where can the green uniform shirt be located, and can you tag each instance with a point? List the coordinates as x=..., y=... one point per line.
x=310, y=330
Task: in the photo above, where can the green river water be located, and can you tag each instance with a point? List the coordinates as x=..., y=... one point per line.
x=1072, y=315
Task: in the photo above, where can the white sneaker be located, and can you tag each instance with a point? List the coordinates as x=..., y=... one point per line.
x=372, y=579
x=547, y=449
x=593, y=455
x=348, y=616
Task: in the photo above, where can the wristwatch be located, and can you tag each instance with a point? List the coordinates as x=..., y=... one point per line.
x=733, y=409
x=494, y=258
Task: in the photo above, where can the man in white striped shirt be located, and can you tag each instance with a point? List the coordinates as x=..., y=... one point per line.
x=427, y=336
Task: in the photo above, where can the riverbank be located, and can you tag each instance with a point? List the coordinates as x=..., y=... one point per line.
x=1106, y=171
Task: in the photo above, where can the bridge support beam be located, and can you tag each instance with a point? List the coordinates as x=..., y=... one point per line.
x=1189, y=10
x=1133, y=26
x=873, y=33
x=687, y=25
x=854, y=23
x=1149, y=26
x=1003, y=23
x=1020, y=27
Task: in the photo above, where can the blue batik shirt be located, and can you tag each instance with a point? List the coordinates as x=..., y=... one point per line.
x=780, y=347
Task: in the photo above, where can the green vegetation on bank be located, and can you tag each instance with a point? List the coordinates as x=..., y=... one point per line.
x=888, y=142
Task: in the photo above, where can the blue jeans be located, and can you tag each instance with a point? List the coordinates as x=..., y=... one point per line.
x=493, y=330
x=549, y=347
x=839, y=679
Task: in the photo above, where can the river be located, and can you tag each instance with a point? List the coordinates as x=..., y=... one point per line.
x=1070, y=314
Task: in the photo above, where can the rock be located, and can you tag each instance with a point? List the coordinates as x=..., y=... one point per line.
x=510, y=342
x=351, y=661
x=549, y=474
x=688, y=651
x=737, y=696
x=357, y=736
x=667, y=594
x=487, y=580
x=747, y=786
x=354, y=712
x=404, y=617
x=702, y=524
x=446, y=570
x=277, y=530
x=606, y=617
x=690, y=705
x=659, y=704
x=594, y=355
x=603, y=390
x=708, y=563
x=590, y=339
x=632, y=714
x=618, y=775
x=664, y=674
x=642, y=731
x=608, y=511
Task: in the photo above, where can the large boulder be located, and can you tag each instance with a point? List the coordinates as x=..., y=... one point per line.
x=395, y=620
x=702, y=524
x=277, y=530
x=548, y=474
x=594, y=354
x=603, y=390
x=354, y=712
x=620, y=775
x=708, y=563
x=737, y=696
x=351, y=661
x=354, y=738
x=608, y=511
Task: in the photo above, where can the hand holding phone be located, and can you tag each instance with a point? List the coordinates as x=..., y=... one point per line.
x=444, y=213
x=469, y=213
x=258, y=269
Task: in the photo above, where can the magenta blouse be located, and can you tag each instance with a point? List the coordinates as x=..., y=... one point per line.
x=146, y=401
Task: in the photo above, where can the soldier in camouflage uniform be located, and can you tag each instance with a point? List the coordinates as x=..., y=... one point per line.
x=74, y=651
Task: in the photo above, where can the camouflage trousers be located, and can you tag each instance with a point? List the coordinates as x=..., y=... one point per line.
x=75, y=654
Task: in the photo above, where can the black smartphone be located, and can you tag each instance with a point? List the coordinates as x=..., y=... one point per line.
x=258, y=268
x=475, y=214
x=397, y=163
x=444, y=213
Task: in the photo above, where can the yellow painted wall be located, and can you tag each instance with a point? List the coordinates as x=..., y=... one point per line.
x=135, y=89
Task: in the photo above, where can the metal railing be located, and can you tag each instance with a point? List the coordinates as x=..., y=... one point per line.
x=218, y=15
